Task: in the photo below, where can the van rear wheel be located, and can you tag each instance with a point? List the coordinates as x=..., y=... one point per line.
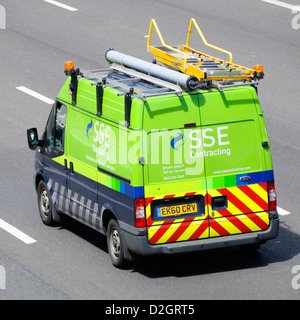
x=115, y=244
x=45, y=204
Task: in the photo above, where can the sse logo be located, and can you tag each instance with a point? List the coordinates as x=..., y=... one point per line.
x=100, y=132
x=178, y=141
x=88, y=128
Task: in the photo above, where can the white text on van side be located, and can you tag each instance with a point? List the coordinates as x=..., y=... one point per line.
x=208, y=140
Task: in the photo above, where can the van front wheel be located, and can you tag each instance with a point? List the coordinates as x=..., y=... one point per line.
x=115, y=244
x=45, y=203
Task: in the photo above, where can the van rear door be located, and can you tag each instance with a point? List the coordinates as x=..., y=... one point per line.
x=175, y=186
x=234, y=160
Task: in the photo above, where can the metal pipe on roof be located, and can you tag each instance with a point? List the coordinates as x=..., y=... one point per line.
x=185, y=81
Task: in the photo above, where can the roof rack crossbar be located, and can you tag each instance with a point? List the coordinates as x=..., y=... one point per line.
x=221, y=86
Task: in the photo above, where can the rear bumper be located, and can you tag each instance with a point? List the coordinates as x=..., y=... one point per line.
x=137, y=242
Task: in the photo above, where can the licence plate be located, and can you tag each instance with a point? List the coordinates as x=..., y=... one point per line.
x=177, y=210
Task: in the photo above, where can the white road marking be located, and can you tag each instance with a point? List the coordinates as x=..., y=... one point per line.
x=283, y=5
x=35, y=94
x=16, y=232
x=2, y=17
x=59, y=4
x=282, y=212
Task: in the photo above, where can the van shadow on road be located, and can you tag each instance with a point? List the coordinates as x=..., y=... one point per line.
x=283, y=248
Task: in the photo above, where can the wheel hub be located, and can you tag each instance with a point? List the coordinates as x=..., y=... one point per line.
x=115, y=243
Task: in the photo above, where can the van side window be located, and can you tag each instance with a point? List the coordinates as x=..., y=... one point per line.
x=55, y=130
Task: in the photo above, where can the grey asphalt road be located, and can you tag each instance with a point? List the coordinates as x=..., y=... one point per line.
x=71, y=261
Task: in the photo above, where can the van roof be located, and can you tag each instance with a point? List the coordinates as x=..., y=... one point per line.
x=121, y=84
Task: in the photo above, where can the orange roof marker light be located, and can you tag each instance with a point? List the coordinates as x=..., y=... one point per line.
x=259, y=69
x=70, y=71
x=69, y=67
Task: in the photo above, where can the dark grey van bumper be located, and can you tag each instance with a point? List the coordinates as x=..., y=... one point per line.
x=136, y=241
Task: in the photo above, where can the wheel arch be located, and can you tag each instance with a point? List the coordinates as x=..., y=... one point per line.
x=38, y=178
x=107, y=214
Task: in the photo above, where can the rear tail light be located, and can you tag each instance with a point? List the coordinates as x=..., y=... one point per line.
x=272, y=196
x=139, y=213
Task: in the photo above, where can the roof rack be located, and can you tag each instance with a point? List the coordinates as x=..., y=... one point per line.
x=129, y=81
x=203, y=66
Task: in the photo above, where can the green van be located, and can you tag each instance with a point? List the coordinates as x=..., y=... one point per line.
x=157, y=161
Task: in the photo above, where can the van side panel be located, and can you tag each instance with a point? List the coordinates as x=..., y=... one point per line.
x=96, y=179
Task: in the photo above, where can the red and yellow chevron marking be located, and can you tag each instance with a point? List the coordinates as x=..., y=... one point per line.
x=241, y=200
x=239, y=224
x=246, y=212
x=179, y=231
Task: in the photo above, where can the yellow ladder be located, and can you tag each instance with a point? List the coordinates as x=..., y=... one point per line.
x=193, y=62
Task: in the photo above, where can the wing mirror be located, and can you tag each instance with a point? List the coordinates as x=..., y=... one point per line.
x=33, y=139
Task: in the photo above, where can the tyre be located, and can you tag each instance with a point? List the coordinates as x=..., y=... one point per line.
x=45, y=204
x=115, y=244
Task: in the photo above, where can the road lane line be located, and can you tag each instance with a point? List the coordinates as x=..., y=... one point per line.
x=2, y=17
x=282, y=212
x=283, y=5
x=35, y=94
x=59, y=4
x=16, y=232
